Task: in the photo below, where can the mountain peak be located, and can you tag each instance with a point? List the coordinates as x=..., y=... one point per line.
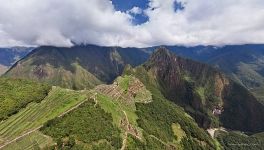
x=161, y=52
x=161, y=55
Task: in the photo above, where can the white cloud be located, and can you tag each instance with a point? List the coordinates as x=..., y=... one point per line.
x=135, y=10
x=58, y=22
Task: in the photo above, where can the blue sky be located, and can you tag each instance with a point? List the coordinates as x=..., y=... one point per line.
x=125, y=5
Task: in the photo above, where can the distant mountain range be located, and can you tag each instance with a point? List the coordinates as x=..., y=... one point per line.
x=9, y=56
x=200, y=89
x=92, y=97
x=243, y=63
x=78, y=67
x=193, y=85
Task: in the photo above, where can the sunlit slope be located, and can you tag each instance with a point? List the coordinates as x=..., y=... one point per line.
x=135, y=116
x=201, y=90
x=77, y=67
x=35, y=114
x=15, y=94
x=32, y=141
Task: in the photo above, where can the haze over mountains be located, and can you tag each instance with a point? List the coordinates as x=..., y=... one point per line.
x=78, y=67
x=9, y=56
x=243, y=63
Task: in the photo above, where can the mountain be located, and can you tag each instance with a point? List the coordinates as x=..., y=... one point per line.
x=243, y=63
x=167, y=102
x=8, y=56
x=209, y=96
x=143, y=118
x=78, y=67
x=195, y=86
x=123, y=115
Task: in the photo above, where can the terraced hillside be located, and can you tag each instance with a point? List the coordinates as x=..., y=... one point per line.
x=31, y=118
x=16, y=94
x=136, y=111
x=130, y=121
x=32, y=141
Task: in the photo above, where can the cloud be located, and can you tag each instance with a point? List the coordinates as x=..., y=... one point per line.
x=135, y=10
x=58, y=22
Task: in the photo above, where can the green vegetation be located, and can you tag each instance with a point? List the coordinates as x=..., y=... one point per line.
x=33, y=141
x=17, y=93
x=78, y=67
x=122, y=96
x=116, y=109
x=258, y=93
x=244, y=63
x=139, y=111
x=87, y=124
x=178, y=132
x=110, y=106
x=132, y=88
x=201, y=92
x=134, y=143
x=36, y=114
x=242, y=111
x=157, y=118
x=158, y=124
x=207, y=90
x=240, y=141
x=75, y=78
x=123, y=82
x=120, y=111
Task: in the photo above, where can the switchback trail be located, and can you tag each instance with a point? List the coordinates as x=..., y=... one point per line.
x=125, y=139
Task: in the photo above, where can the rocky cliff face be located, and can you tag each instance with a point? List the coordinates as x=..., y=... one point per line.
x=243, y=63
x=207, y=94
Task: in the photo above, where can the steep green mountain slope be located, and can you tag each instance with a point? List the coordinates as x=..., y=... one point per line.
x=15, y=94
x=240, y=141
x=128, y=115
x=84, y=66
x=246, y=66
x=8, y=56
x=29, y=119
x=124, y=115
x=201, y=89
x=140, y=110
x=78, y=67
x=244, y=63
